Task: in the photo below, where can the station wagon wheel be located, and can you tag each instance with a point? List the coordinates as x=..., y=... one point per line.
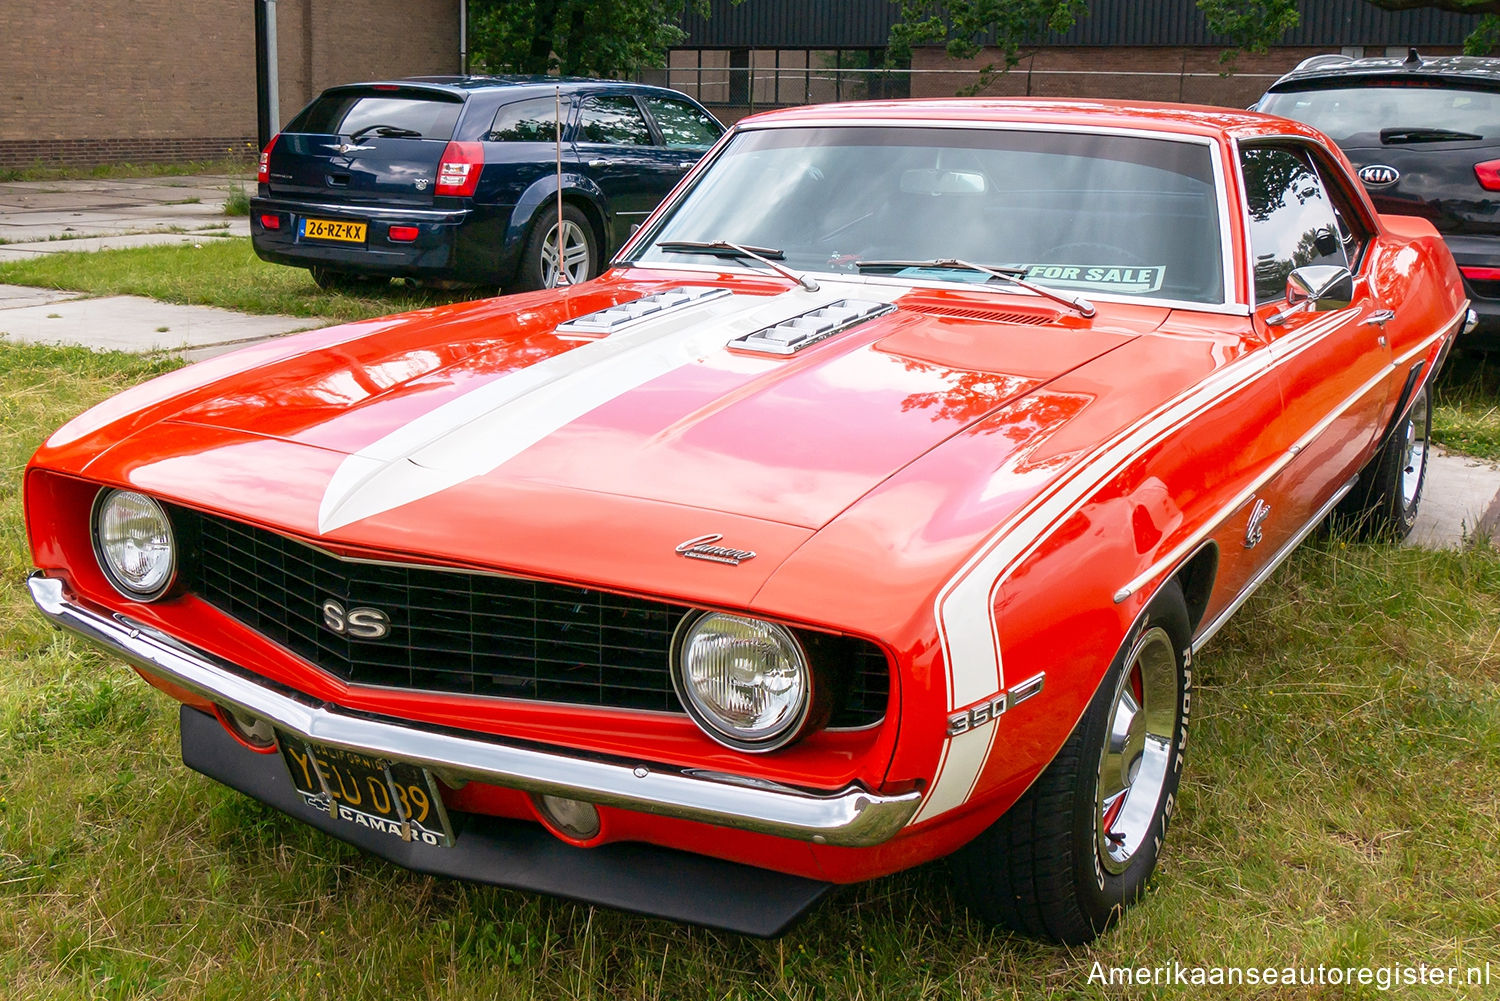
x=1385, y=500
x=580, y=254
x=1080, y=845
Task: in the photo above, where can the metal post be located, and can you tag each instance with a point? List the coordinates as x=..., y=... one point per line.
x=273, y=71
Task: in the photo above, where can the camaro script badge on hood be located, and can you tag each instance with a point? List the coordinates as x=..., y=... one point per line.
x=703, y=548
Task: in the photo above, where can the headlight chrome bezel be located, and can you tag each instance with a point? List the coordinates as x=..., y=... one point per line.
x=116, y=578
x=797, y=725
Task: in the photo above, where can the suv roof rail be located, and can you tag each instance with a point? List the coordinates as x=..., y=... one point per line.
x=1324, y=59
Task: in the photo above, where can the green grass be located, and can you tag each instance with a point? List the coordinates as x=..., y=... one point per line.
x=219, y=272
x=1339, y=807
x=238, y=202
x=1467, y=416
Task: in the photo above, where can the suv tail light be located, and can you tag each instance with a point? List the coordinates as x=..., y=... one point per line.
x=1488, y=174
x=458, y=172
x=263, y=172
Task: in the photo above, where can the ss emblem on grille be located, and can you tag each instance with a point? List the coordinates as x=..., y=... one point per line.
x=362, y=623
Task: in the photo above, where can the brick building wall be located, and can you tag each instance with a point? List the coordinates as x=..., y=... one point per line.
x=83, y=83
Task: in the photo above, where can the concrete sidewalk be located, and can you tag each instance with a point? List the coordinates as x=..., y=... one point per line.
x=49, y=217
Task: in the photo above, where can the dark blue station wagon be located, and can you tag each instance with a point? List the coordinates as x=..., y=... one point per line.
x=453, y=180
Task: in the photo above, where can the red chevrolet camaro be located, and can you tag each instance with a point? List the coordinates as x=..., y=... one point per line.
x=871, y=509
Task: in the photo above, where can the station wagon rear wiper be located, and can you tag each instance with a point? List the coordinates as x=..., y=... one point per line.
x=765, y=255
x=387, y=132
x=1012, y=275
x=1418, y=134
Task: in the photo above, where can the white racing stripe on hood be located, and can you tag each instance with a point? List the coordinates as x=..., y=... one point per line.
x=482, y=430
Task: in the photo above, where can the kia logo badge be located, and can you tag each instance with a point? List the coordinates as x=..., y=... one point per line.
x=1378, y=175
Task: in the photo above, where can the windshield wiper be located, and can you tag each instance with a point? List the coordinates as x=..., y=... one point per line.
x=1419, y=134
x=765, y=255
x=1013, y=275
x=387, y=132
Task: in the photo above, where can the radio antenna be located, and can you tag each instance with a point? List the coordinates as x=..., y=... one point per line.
x=557, y=245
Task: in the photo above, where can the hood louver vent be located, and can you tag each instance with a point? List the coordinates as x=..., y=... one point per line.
x=607, y=321
x=992, y=315
x=804, y=329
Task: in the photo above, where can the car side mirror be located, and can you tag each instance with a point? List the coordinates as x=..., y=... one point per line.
x=1316, y=286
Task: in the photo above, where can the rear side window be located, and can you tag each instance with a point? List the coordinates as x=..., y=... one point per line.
x=683, y=125
x=614, y=120
x=345, y=114
x=526, y=121
x=1292, y=222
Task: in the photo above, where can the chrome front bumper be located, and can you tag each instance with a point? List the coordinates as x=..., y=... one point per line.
x=852, y=817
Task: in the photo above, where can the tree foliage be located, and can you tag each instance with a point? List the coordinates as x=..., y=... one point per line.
x=966, y=26
x=604, y=38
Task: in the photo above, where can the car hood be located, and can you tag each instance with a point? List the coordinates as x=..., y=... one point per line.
x=662, y=410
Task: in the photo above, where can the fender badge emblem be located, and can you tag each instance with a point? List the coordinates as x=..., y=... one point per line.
x=703, y=548
x=1253, y=533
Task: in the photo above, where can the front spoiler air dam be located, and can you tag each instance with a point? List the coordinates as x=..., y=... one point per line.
x=852, y=817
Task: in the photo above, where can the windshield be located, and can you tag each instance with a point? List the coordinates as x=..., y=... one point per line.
x=1361, y=113
x=1111, y=215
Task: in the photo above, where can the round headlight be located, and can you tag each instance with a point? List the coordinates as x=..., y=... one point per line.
x=133, y=541
x=744, y=681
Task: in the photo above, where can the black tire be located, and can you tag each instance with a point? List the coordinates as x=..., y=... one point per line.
x=1385, y=501
x=342, y=281
x=538, y=268
x=1050, y=867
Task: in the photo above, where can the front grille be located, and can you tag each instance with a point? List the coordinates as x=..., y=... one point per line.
x=475, y=634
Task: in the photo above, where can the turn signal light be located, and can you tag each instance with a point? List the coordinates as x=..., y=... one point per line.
x=458, y=172
x=1488, y=174
x=263, y=172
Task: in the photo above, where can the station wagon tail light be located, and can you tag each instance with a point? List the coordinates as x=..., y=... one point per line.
x=458, y=173
x=1488, y=174
x=134, y=544
x=263, y=172
x=403, y=234
x=270, y=220
x=744, y=681
x=1481, y=274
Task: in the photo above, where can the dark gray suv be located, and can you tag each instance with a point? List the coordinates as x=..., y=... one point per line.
x=455, y=179
x=1425, y=135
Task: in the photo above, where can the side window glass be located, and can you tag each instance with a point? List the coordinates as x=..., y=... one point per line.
x=613, y=120
x=526, y=121
x=1351, y=226
x=683, y=125
x=1292, y=221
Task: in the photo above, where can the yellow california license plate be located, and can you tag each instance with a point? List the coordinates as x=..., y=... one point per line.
x=388, y=797
x=332, y=229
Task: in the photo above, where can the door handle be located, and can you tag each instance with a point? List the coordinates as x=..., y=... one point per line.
x=1379, y=318
x=596, y=164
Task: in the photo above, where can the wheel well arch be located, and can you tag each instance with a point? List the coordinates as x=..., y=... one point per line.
x=1196, y=579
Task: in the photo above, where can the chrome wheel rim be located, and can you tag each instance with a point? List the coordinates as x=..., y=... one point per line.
x=575, y=254
x=1415, y=458
x=1137, y=750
